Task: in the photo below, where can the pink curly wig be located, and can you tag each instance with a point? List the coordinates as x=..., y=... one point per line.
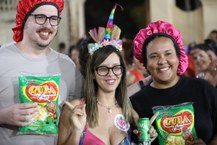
x=161, y=27
x=25, y=8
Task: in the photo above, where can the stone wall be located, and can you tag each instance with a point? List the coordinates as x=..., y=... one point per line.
x=194, y=25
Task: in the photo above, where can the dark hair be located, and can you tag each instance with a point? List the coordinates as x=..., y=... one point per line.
x=214, y=32
x=152, y=37
x=203, y=47
x=34, y=8
x=71, y=48
x=62, y=45
x=82, y=46
x=128, y=51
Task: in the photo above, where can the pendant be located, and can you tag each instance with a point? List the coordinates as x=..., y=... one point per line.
x=109, y=110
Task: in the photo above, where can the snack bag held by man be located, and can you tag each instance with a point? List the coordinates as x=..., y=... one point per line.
x=43, y=90
x=175, y=124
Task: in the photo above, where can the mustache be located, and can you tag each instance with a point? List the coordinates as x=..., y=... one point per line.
x=45, y=28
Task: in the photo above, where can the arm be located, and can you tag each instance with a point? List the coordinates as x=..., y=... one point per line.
x=213, y=104
x=15, y=114
x=132, y=89
x=214, y=140
x=72, y=122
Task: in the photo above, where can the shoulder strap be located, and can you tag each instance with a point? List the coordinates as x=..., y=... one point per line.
x=141, y=84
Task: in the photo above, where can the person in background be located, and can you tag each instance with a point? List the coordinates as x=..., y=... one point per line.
x=205, y=63
x=36, y=26
x=74, y=55
x=190, y=72
x=160, y=48
x=62, y=47
x=213, y=40
x=104, y=115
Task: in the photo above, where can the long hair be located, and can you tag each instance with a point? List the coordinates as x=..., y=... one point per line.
x=82, y=45
x=91, y=86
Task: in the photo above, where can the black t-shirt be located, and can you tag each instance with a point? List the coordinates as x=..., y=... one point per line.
x=201, y=93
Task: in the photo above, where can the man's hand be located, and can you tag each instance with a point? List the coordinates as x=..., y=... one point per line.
x=18, y=113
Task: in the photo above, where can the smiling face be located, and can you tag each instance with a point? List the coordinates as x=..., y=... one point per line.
x=201, y=59
x=40, y=36
x=109, y=82
x=162, y=62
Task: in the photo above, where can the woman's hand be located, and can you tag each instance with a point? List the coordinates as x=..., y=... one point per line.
x=153, y=133
x=77, y=117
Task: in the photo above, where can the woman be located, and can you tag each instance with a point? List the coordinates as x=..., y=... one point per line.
x=160, y=48
x=205, y=63
x=104, y=116
x=105, y=98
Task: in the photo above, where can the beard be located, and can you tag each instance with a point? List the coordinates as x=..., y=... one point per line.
x=43, y=45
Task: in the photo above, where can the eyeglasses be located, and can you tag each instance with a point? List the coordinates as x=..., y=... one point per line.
x=104, y=70
x=41, y=19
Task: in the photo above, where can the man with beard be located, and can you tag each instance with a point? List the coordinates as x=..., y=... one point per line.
x=36, y=26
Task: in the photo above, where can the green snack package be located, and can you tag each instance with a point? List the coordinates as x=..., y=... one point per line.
x=44, y=90
x=175, y=124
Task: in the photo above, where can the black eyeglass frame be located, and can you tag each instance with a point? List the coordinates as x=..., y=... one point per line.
x=108, y=69
x=38, y=16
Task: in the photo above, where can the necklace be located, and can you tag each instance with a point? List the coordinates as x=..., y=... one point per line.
x=109, y=108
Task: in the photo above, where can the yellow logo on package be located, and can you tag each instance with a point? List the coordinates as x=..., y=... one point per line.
x=42, y=93
x=177, y=123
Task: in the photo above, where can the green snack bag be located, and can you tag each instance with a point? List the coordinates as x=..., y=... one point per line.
x=175, y=124
x=44, y=90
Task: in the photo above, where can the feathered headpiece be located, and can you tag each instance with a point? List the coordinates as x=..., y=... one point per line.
x=106, y=36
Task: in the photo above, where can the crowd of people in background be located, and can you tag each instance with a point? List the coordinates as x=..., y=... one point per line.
x=203, y=59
